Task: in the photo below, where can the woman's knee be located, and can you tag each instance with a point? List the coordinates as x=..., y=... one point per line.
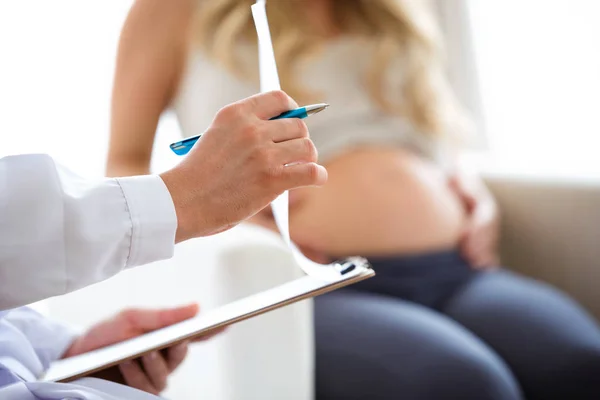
x=463, y=378
x=550, y=342
x=465, y=373
x=384, y=348
x=429, y=373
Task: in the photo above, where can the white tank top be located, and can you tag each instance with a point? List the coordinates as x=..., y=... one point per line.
x=352, y=119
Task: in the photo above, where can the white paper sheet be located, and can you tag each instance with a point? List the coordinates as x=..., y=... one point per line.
x=269, y=80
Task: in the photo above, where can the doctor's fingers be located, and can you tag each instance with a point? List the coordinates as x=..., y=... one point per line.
x=267, y=105
x=135, y=377
x=285, y=129
x=301, y=175
x=295, y=151
x=176, y=355
x=157, y=370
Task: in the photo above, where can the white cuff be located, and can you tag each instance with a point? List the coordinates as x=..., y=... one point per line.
x=153, y=218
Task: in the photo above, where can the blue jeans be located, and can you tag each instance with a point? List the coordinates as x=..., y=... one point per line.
x=430, y=327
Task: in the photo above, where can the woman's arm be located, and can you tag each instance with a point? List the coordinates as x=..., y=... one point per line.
x=150, y=60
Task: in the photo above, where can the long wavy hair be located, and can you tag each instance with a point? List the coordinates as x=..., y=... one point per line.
x=404, y=30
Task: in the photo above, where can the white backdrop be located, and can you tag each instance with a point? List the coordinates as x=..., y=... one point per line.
x=539, y=64
x=55, y=78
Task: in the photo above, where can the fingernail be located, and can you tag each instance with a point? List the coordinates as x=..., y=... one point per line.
x=322, y=175
x=153, y=355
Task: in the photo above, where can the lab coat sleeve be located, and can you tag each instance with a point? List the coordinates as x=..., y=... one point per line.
x=49, y=339
x=60, y=232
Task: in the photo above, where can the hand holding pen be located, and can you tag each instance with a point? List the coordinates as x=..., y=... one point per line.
x=183, y=147
x=246, y=158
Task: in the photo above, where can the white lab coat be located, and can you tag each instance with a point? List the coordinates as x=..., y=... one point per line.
x=59, y=233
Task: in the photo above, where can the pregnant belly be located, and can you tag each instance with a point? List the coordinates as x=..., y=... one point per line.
x=378, y=202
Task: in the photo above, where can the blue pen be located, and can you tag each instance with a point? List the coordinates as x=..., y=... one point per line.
x=182, y=147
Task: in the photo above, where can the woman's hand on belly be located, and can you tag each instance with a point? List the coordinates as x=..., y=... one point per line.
x=479, y=240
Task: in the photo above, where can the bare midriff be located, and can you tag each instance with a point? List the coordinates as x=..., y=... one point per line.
x=378, y=202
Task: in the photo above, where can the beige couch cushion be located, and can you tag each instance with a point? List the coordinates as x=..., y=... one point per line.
x=551, y=231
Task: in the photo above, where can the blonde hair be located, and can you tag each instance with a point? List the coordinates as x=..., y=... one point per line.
x=404, y=30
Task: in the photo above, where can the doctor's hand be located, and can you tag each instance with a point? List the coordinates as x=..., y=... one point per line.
x=149, y=373
x=240, y=164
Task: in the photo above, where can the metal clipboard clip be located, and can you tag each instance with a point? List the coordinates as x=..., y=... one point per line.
x=350, y=264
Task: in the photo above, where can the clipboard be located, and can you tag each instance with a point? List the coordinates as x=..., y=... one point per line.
x=99, y=363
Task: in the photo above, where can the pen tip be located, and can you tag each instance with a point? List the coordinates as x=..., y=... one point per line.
x=316, y=108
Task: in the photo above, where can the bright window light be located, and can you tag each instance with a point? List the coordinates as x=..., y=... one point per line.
x=539, y=64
